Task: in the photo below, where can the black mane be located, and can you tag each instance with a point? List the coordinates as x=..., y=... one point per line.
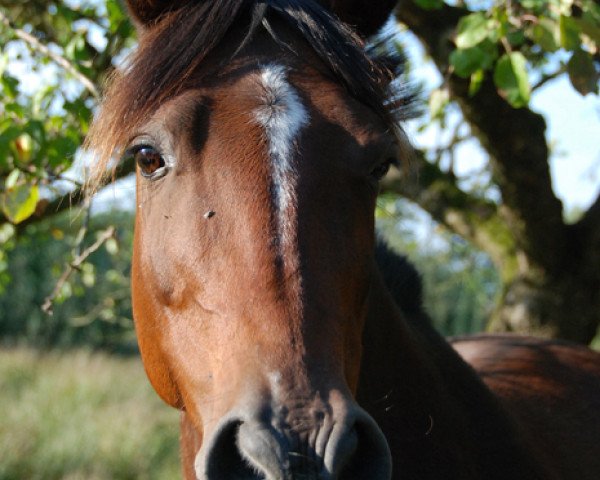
x=401, y=279
x=185, y=37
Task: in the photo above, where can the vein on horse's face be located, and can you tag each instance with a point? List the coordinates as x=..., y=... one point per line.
x=282, y=115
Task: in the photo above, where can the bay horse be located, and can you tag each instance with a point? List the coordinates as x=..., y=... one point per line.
x=260, y=129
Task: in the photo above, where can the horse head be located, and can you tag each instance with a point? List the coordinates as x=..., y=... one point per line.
x=260, y=132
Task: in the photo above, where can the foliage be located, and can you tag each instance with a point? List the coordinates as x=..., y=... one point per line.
x=93, y=306
x=460, y=283
x=508, y=35
x=82, y=415
x=54, y=56
x=68, y=47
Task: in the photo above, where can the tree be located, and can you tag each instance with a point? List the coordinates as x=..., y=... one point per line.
x=487, y=55
x=550, y=270
x=64, y=51
x=69, y=51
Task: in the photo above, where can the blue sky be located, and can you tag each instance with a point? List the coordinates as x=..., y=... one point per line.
x=574, y=132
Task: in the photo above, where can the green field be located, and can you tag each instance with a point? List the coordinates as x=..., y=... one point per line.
x=82, y=415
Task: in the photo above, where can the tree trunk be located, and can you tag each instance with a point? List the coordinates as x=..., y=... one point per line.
x=565, y=304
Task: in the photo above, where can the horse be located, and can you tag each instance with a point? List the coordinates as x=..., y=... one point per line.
x=260, y=130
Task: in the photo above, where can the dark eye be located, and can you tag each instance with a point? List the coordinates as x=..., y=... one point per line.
x=149, y=160
x=381, y=170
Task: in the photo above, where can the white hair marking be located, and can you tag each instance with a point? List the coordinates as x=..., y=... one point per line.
x=282, y=115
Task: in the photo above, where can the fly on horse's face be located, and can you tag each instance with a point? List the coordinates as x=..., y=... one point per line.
x=253, y=258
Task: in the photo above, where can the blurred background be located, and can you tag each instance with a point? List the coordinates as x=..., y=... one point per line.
x=499, y=210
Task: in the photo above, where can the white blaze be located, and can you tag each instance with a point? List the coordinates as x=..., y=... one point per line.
x=282, y=115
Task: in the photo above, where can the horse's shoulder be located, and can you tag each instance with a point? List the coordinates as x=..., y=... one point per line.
x=552, y=390
x=502, y=356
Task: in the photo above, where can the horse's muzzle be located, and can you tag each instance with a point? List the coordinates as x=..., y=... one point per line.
x=346, y=446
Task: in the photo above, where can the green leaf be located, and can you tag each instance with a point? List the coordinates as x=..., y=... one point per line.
x=536, y=6
x=437, y=102
x=75, y=47
x=60, y=151
x=589, y=26
x=10, y=85
x=582, y=73
x=9, y=134
x=16, y=109
x=112, y=246
x=546, y=34
x=79, y=109
x=516, y=37
x=569, y=33
x=430, y=4
x=476, y=81
x=19, y=202
x=510, y=76
x=7, y=231
x=41, y=99
x=593, y=9
x=67, y=13
x=467, y=61
x=533, y=4
x=88, y=274
x=12, y=178
x=3, y=63
x=36, y=129
x=114, y=10
x=472, y=29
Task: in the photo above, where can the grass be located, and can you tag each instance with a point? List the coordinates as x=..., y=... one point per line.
x=82, y=415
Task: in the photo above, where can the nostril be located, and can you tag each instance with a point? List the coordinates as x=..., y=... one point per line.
x=225, y=461
x=369, y=457
x=252, y=450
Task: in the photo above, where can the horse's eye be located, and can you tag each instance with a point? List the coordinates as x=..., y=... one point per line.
x=381, y=170
x=149, y=160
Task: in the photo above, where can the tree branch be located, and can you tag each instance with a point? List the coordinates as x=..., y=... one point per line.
x=74, y=265
x=473, y=218
x=61, y=61
x=589, y=228
x=592, y=216
x=549, y=77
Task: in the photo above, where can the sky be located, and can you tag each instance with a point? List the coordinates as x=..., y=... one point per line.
x=574, y=131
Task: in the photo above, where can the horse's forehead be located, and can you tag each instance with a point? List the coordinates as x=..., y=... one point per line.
x=262, y=92
x=279, y=99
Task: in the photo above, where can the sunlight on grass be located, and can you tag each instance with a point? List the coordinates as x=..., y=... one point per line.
x=82, y=415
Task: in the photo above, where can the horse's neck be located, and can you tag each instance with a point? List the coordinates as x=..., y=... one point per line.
x=439, y=418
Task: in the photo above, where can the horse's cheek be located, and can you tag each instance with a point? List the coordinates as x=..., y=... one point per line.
x=149, y=334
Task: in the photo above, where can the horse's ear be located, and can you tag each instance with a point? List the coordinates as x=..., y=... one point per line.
x=365, y=16
x=147, y=12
